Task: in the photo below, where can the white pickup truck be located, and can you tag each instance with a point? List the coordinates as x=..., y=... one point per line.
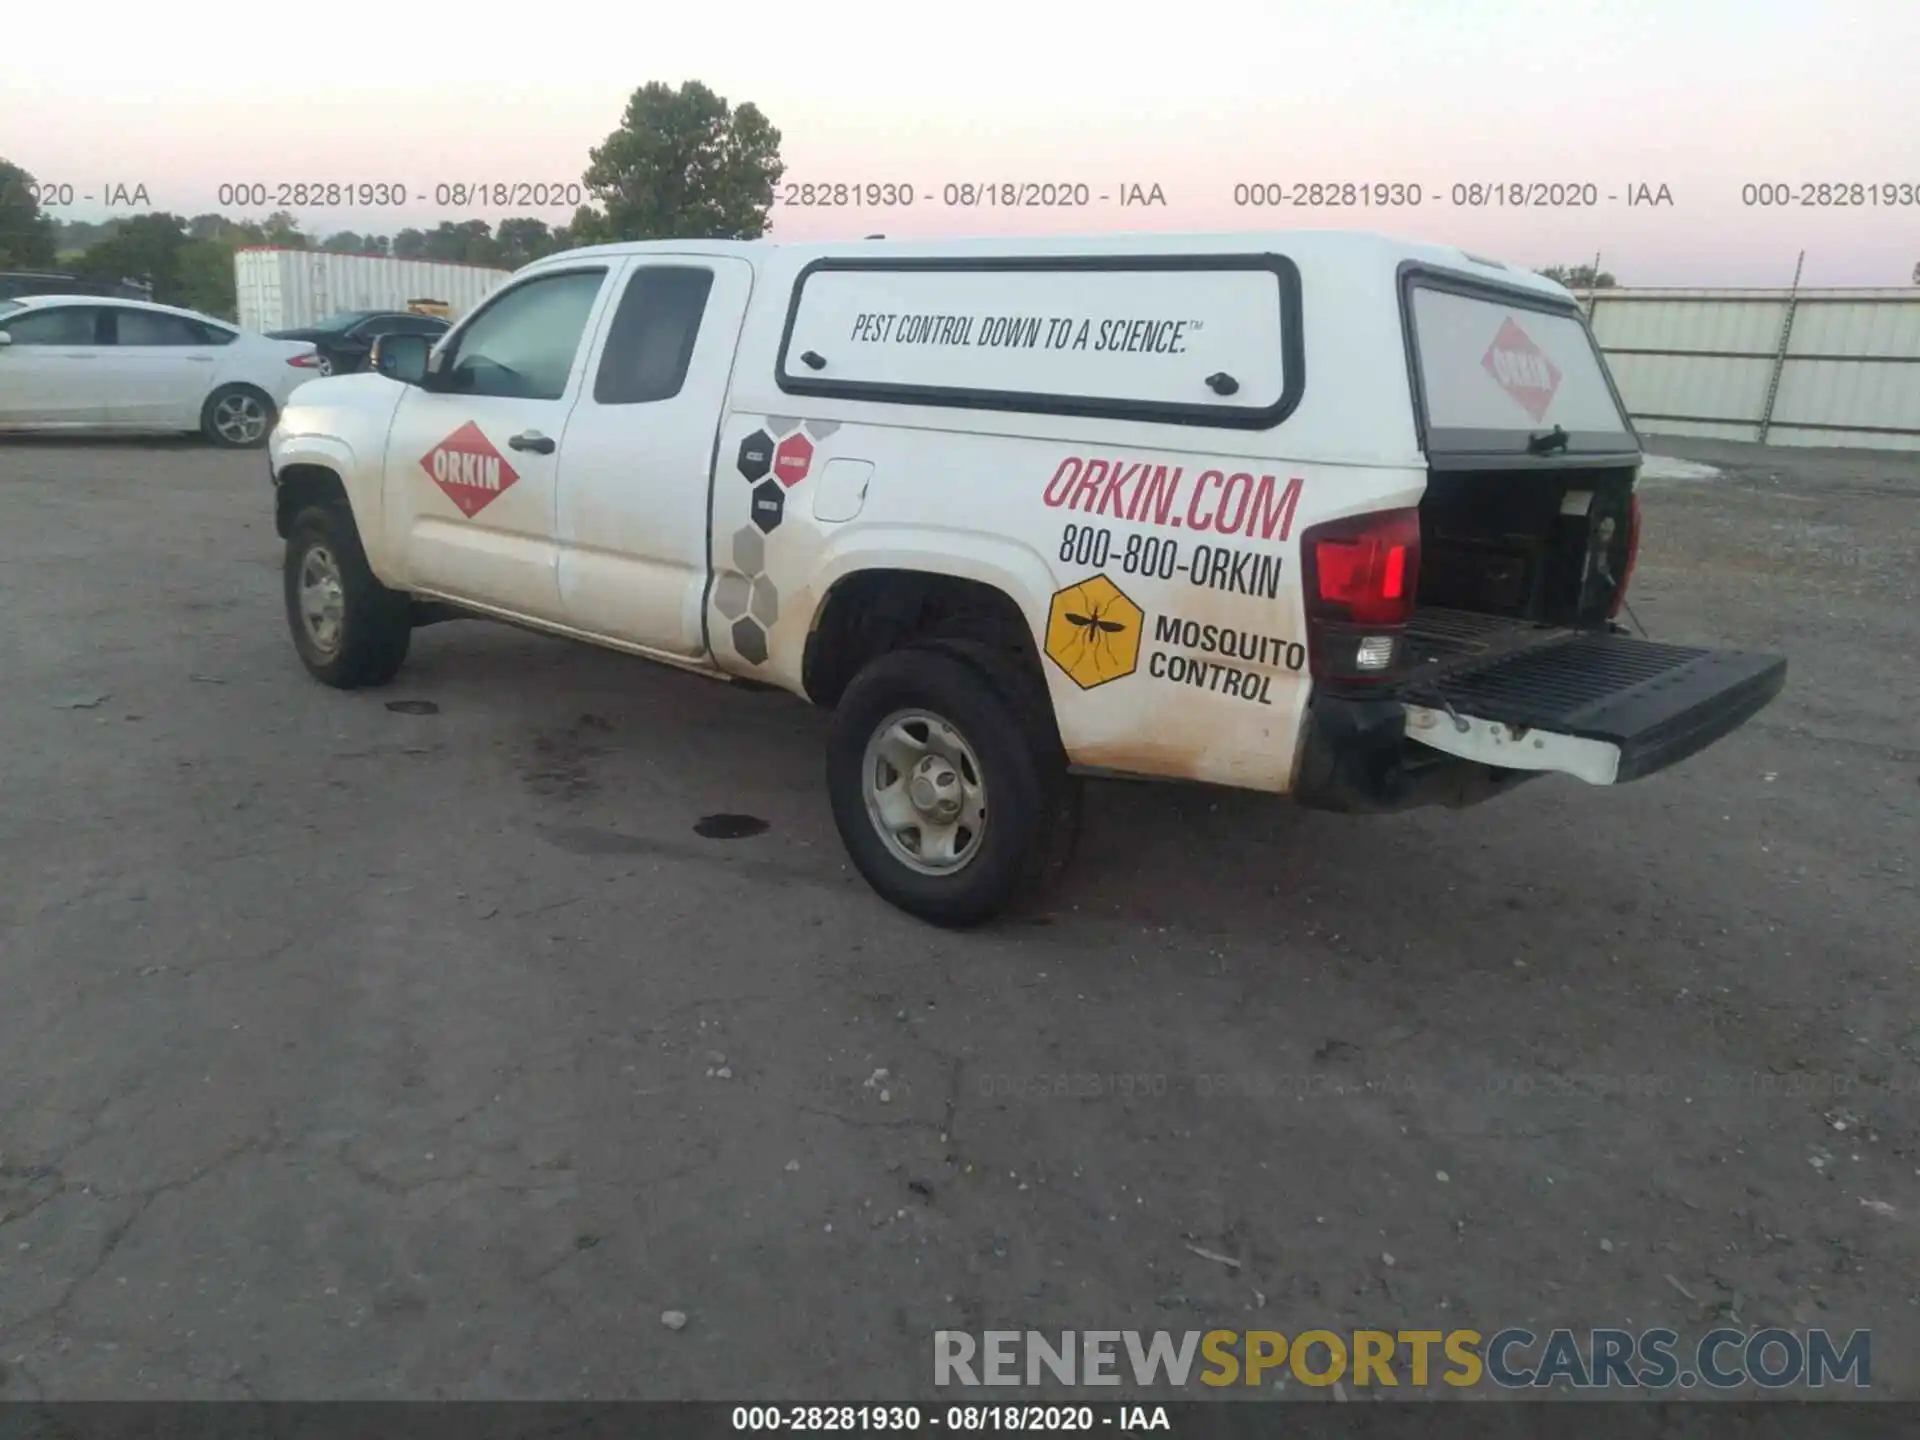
x=1323, y=514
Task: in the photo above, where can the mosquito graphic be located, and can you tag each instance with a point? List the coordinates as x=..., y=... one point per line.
x=1093, y=644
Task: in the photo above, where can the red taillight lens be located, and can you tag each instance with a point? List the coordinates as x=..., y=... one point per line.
x=305, y=362
x=1363, y=570
x=1633, y=554
x=1360, y=576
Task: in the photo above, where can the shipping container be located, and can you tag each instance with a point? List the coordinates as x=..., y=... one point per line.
x=278, y=289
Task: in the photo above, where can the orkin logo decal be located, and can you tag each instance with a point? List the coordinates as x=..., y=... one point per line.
x=1522, y=369
x=469, y=469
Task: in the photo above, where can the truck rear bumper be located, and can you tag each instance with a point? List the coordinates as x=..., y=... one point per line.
x=1604, y=708
x=1355, y=759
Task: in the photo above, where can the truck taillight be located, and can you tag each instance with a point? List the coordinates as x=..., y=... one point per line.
x=1360, y=576
x=1633, y=554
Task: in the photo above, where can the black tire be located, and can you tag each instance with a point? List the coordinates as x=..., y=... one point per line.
x=1027, y=694
x=374, y=624
x=1033, y=803
x=220, y=417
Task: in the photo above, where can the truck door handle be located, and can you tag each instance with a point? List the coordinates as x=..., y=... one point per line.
x=531, y=440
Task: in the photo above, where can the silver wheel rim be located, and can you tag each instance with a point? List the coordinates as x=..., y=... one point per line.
x=323, y=602
x=240, y=419
x=325, y=367
x=925, y=792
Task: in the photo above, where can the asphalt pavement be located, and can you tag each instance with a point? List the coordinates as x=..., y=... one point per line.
x=360, y=1049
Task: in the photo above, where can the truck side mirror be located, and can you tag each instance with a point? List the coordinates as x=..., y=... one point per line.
x=401, y=357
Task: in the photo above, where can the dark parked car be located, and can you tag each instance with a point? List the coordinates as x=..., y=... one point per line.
x=344, y=340
x=25, y=284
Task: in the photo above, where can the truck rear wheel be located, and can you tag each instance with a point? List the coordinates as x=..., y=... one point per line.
x=349, y=629
x=948, y=785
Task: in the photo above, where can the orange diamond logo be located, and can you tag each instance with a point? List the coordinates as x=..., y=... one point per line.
x=469, y=469
x=1522, y=369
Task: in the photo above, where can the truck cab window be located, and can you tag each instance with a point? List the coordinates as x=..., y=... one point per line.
x=650, y=343
x=522, y=345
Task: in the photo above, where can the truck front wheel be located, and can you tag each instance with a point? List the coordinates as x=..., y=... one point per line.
x=948, y=786
x=349, y=629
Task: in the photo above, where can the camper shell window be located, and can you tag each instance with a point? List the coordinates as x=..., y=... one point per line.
x=1209, y=340
x=1495, y=371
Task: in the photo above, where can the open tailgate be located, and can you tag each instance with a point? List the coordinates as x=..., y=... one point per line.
x=1606, y=708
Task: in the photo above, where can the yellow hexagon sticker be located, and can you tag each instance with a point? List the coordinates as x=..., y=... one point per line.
x=1093, y=632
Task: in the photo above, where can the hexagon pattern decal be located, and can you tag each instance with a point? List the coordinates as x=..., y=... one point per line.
x=792, y=458
x=751, y=641
x=731, y=594
x=749, y=551
x=745, y=596
x=756, y=455
x=1093, y=632
x=769, y=506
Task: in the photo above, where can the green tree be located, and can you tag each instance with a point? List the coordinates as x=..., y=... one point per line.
x=588, y=227
x=352, y=242
x=1580, y=277
x=26, y=234
x=522, y=240
x=206, y=262
x=205, y=278
x=685, y=164
x=410, y=244
x=146, y=248
x=73, y=238
x=283, y=229
x=468, y=242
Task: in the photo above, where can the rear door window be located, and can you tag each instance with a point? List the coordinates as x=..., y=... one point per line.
x=650, y=342
x=1496, y=369
x=154, y=327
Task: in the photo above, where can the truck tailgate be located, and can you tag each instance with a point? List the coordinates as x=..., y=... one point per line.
x=1606, y=708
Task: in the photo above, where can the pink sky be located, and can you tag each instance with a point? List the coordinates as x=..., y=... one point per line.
x=1701, y=96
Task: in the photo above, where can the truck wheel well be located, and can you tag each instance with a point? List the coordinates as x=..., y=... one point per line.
x=304, y=485
x=872, y=612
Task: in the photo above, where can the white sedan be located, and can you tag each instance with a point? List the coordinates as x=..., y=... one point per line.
x=83, y=362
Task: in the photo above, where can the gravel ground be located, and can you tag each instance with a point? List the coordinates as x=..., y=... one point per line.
x=347, y=1052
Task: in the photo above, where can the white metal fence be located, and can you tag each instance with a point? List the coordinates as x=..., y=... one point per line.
x=1780, y=367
